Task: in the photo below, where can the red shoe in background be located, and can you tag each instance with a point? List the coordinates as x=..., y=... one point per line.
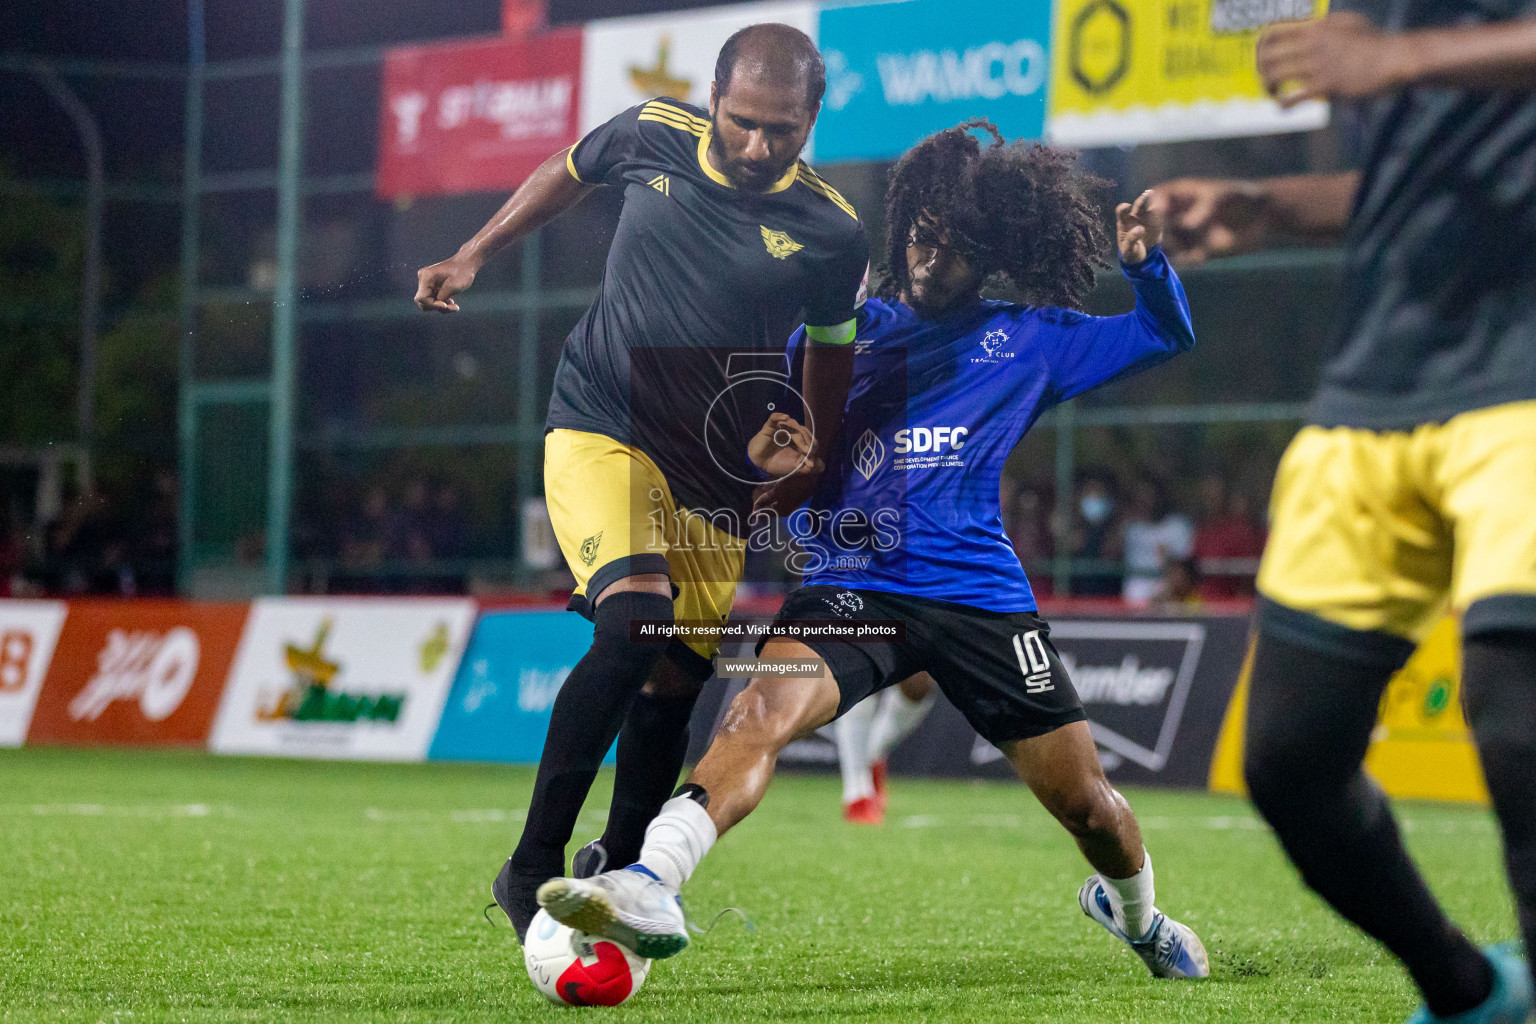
x=866, y=810
x=877, y=773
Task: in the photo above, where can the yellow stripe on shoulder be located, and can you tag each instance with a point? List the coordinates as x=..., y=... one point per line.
x=671, y=122
x=658, y=107
x=817, y=184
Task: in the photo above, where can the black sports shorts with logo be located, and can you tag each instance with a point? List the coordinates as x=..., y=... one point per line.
x=999, y=668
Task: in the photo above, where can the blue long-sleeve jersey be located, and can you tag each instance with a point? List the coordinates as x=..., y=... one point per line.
x=910, y=503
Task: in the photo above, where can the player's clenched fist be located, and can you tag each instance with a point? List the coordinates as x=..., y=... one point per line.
x=438, y=284
x=1139, y=225
x=782, y=447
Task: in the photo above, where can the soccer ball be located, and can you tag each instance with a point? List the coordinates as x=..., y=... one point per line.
x=576, y=969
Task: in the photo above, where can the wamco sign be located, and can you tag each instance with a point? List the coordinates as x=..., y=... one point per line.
x=988, y=72
x=898, y=72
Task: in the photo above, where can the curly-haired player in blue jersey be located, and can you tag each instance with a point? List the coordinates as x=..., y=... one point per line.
x=905, y=524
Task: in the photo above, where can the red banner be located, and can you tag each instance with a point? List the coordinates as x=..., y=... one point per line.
x=470, y=117
x=137, y=672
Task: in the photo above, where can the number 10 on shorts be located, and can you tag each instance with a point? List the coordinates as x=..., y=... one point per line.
x=1033, y=662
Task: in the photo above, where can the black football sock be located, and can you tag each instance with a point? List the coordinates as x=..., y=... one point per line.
x=652, y=746
x=1499, y=673
x=1310, y=716
x=586, y=717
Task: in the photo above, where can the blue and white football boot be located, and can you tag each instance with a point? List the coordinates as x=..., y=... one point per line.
x=630, y=906
x=1511, y=999
x=1170, y=949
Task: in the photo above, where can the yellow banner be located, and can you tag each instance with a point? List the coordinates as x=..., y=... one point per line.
x=1421, y=749
x=1127, y=71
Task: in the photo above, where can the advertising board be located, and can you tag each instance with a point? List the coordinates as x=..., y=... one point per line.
x=897, y=72
x=28, y=632
x=476, y=116
x=1128, y=71
x=1421, y=748
x=625, y=61
x=343, y=678
x=137, y=673
x=500, y=704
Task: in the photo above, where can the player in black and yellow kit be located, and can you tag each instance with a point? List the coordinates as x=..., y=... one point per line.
x=1412, y=489
x=725, y=243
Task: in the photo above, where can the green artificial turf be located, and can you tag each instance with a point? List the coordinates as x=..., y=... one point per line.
x=153, y=886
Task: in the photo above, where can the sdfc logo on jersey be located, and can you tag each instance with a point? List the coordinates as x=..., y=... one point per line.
x=589, y=548
x=780, y=246
x=868, y=454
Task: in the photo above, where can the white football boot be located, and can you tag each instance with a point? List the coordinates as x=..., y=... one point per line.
x=630, y=907
x=1170, y=949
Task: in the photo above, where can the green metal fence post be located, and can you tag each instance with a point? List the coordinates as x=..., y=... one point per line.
x=1066, y=470
x=285, y=297
x=191, y=258
x=528, y=388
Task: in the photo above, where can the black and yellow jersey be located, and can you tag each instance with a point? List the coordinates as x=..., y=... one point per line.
x=1438, y=311
x=698, y=272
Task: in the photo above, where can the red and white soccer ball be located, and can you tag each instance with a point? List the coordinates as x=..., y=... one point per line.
x=577, y=969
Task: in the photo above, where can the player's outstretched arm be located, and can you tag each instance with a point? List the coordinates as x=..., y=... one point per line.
x=1086, y=351
x=549, y=191
x=1211, y=217
x=1345, y=56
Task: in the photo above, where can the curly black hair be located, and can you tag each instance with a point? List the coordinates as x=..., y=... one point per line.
x=1017, y=209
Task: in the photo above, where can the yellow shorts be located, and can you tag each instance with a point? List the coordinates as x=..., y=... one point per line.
x=1384, y=531
x=614, y=516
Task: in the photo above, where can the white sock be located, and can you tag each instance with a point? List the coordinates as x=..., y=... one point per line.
x=896, y=720
x=1131, y=899
x=676, y=840
x=852, y=732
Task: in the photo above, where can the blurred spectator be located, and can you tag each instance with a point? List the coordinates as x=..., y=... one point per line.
x=251, y=548
x=1154, y=534
x=1094, y=533
x=371, y=536
x=85, y=552
x=12, y=556
x=1228, y=542
x=1213, y=498
x=415, y=533
x=1026, y=518
x=432, y=530
x=449, y=530
x=154, y=542
x=1180, y=590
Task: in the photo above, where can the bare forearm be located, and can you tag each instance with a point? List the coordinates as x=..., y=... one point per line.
x=828, y=369
x=1496, y=56
x=549, y=191
x=1314, y=207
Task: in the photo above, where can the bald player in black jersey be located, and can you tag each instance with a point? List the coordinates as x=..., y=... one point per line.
x=1412, y=487
x=725, y=243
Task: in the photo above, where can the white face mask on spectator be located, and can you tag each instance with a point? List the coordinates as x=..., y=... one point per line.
x=1096, y=508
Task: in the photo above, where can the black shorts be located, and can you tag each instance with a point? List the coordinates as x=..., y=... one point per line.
x=998, y=668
